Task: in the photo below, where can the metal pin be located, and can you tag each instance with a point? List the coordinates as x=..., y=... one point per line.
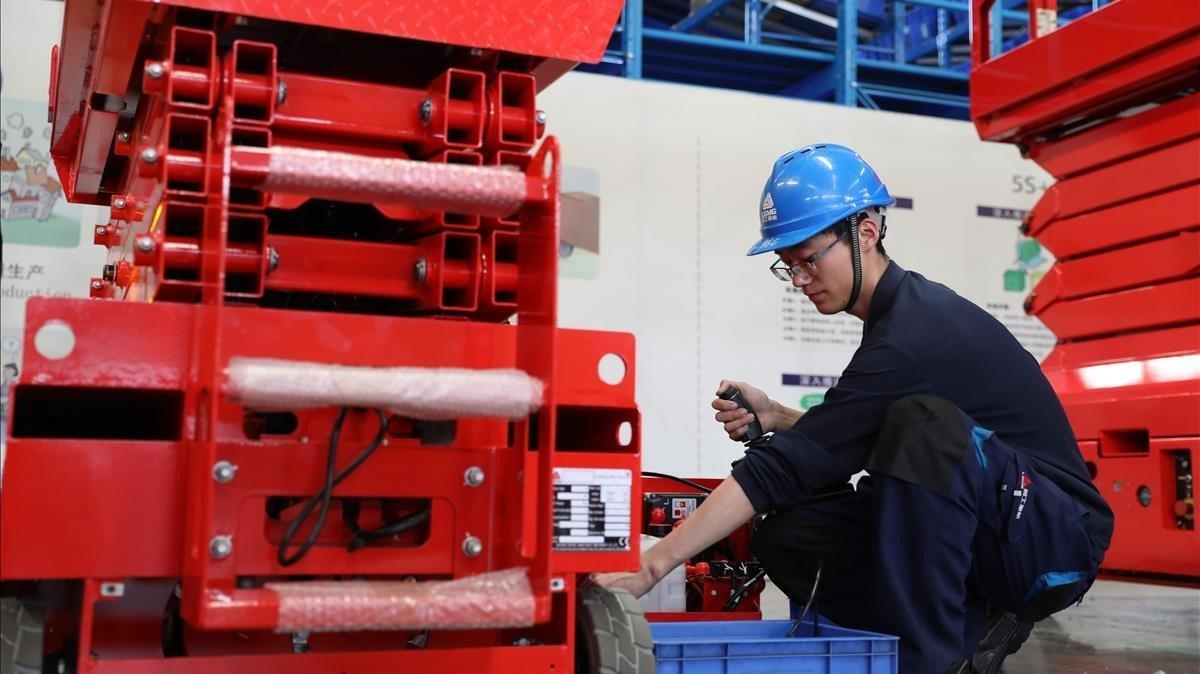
x=472, y=546
x=426, y=110
x=281, y=93
x=300, y=641
x=540, y=117
x=272, y=258
x=220, y=547
x=155, y=70
x=473, y=476
x=123, y=136
x=223, y=472
x=149, y=155
x=145, y=244
x=119, y=202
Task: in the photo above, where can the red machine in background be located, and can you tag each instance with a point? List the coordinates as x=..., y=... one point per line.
x=1109, y=105
x=300, y=365
x=724, y=582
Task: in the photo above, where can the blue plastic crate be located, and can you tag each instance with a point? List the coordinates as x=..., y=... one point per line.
x=762, y=646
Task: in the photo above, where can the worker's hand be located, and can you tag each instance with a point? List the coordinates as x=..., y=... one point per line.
x=637, y=583
x=737, y=419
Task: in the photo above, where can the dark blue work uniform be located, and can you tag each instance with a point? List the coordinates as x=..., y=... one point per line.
x=977, y=497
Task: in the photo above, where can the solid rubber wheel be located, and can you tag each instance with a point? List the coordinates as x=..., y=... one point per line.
x=613, y=635
x=20, y=637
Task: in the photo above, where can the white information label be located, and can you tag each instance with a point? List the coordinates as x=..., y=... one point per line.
x=592, y=509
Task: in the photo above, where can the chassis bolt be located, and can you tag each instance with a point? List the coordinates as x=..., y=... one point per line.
x=220, y=547
x=145, y=243
x=426, y=110
x=223, y=472
x=123, y=136
x=472, y=546
x=281, y=93
x=119, y=202
x=272, y=258
x=96, y=285
x=473, y=476
x=155, y=70
x=540, y=117
x=420, y=269
x=149, y=155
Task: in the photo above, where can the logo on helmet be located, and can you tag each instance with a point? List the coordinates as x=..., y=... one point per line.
x=768, y=209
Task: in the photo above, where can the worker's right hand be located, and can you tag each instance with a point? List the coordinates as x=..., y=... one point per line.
x=637, y=583
x=736, y=419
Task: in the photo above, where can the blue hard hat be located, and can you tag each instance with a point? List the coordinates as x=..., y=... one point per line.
x=811, y=189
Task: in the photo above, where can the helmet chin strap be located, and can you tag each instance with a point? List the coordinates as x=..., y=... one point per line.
x=856, y=257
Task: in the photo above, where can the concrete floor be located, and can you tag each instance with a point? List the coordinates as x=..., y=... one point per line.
x=1120, y=628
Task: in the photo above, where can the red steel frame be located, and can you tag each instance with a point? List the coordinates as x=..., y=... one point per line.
x=158, y=113
x=1108, y=105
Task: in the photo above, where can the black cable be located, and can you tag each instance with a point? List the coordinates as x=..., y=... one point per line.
x=693, y=485
x=812, y=596
x=363, y=536
x=736, y=597
x=324, y=497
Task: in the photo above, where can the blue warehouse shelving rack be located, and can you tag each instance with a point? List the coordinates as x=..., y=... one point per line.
x=910, y=56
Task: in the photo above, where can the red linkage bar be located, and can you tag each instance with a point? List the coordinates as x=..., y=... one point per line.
x=1124, y=224
x=1093, y=64
x=451, y=113
x=1165, y=169
x=440, y=271
x=1120, y=139
x=1153, y=263
x=1140, y=308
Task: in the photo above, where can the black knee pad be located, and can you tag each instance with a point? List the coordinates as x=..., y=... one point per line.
x=922, y=440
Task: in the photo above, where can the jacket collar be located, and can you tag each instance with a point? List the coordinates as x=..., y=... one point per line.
x=885, y=294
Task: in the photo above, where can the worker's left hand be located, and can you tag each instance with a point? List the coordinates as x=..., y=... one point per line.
x=637, y=583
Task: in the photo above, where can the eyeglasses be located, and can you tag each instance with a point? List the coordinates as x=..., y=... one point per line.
x=804, y=270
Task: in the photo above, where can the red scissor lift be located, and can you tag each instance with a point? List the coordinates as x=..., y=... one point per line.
x=337, y=189
x=1109, y=105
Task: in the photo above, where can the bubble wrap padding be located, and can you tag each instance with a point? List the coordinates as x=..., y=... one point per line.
x=493, y=191
x=488, y=600
x=430, y=394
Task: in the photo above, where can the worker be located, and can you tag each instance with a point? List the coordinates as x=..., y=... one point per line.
x=976, y=517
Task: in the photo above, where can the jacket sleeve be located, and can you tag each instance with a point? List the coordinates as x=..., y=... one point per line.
x=832, y=441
